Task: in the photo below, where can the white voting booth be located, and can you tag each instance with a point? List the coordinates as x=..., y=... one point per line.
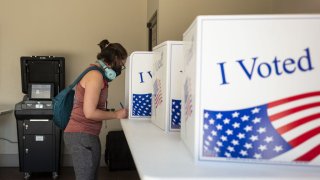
x=251, y=89
x=166, y=100
x=139, y=84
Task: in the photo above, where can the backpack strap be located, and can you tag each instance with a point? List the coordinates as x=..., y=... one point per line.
x=75, y=82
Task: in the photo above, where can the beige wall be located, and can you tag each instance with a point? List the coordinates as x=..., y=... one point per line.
x=180, y=13
x=152, y=6
x=69, y=28
x=175, y=16
x=296, y=6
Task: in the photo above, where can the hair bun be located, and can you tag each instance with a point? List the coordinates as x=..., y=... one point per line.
x=103, y=44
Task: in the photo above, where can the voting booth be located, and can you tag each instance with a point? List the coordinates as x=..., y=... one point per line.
x=166, y=100
x=251, y=89
x=139, y=84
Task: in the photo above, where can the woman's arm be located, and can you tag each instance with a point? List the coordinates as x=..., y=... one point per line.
x=93, y=83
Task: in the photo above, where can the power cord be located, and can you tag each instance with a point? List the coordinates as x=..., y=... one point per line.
x=4, y=139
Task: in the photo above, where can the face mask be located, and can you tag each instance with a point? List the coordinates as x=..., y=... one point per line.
x=117, y=70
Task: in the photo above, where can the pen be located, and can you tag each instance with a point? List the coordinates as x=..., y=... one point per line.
x=121, y=105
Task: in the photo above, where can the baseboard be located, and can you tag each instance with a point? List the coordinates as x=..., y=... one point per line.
x=12, y=160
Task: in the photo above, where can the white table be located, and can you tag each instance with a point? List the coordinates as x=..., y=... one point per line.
x=158, y=155
x=5, y=109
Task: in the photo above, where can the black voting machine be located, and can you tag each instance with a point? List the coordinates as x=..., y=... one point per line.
x=39, y=140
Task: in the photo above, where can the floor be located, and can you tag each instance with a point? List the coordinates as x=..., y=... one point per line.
x=13, y=173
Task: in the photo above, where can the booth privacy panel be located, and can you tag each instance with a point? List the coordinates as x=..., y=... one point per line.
x=251, y=89
x=139, y=84
x=167, y=86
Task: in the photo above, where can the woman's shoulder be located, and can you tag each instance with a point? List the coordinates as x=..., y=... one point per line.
x=93, y=76
x=94, y=72
x=97, y=72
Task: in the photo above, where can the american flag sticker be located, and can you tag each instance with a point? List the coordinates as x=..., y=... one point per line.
x=187, y=99
x=157, y=93
x=175, y=114
x=286, y=130
x=141, y=105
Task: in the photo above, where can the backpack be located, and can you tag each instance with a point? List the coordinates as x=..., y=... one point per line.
x=117, y=154
x=63, y=102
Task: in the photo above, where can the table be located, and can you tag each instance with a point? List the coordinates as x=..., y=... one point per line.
x=5, y=109
x=160, y=155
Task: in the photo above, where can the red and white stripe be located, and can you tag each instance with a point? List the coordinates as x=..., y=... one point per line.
x=158, y=95
x=188, y=106
x=297, y=119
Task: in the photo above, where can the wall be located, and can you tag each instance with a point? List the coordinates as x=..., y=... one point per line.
x=152, y=6
x=296, y=6
x=189, y=9
x=175, y=16
x=63, y=28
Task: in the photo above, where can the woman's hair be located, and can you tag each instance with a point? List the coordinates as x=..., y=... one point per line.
x=112, y=53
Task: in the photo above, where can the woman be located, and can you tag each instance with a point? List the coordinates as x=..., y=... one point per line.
x=82, y=132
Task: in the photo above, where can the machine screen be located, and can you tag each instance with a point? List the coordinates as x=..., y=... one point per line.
x=41, y=91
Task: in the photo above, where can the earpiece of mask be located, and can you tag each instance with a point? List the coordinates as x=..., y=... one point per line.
x=109, y=73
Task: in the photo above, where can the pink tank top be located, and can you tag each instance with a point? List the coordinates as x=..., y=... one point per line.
x=78, y=122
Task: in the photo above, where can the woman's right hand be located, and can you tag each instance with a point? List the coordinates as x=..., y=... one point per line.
x=121, y=113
